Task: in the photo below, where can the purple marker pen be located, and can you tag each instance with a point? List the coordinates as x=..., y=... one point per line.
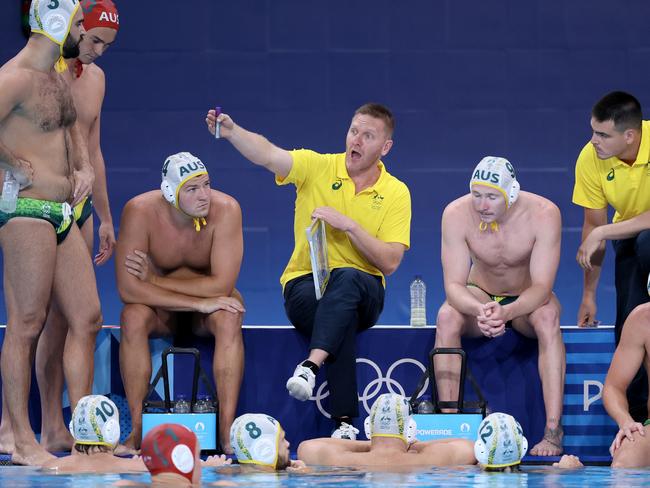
x=217, y=125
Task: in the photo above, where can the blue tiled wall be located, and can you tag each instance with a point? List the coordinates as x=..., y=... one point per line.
x=464, y=78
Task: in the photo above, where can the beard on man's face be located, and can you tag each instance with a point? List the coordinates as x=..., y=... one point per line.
x=71, y=48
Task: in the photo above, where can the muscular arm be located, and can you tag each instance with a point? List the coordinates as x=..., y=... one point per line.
x=225, y=260
x=386, y=256
x=456, y=263
x=593, y=219
x=134, y=235
x=544, y=261
x=622, y=230
x=626, y=362
x=100, y=193
x=14, y=89
x=84, y=175
x=254, y=147
x=447, y=452
x=330, y=452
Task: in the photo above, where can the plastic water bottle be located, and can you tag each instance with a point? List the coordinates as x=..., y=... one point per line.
x=201, y=405
x=418, y=302
x=425, y=405
x=182, y=405
x=9, y=195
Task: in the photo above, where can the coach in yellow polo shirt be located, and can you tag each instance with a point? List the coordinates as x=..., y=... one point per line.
x=613, y=169
x=368, y=217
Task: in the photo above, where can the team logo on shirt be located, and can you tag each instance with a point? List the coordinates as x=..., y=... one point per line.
x=377, y=201
x=610, y=175
x=337, y=184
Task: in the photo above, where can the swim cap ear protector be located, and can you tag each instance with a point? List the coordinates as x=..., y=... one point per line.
x=499, y=174
x=255, y=439
x=176, y=171
x=170, y=448
x=411, y=430
x=95, y=421
x=501, y=442
x=390, y=416
x=53, y=19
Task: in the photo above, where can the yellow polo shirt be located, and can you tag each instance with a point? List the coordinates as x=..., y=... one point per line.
x=383, y=210
x=602, y=182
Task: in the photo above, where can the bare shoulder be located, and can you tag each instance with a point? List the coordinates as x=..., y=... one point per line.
x=16, y=80
x=540, y=206
x=457, y=216
x=95, y=72
x=222, y=203
x=457, y=207
x=143, y=205
x=637, y=325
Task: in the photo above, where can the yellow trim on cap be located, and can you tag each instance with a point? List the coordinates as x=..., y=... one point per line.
x=88, y=443
x=182, y=182
x=390, y=435
x=501, y=465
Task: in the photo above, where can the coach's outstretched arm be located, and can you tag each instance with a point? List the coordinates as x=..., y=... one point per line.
x=254, y=147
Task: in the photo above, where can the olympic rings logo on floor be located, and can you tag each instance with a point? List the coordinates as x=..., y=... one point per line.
x=374, y=388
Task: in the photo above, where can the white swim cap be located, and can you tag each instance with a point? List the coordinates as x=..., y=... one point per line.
x=177, y=170
x=390, y=416
x=411, y=430
x=499, y=174
x=52, y=18
x=95, y=421
x=501, y=442
x=255, y=438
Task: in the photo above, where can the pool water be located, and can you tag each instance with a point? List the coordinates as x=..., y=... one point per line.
x=530, y=476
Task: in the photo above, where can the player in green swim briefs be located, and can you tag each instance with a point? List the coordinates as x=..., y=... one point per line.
x=631, y=446
x=500, y=254
x=42, y=146
x=57, y=214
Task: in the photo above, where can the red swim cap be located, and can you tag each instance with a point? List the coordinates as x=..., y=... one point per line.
x=170, y=448
x=100, y=13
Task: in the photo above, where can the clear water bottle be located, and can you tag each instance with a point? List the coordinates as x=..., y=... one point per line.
x=9, y=195
x=201, y=405
x=211, y=405
x=182, y=405
x=425, y=405
x=418, y=302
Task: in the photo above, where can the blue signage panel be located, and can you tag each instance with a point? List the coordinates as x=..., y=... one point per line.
x=204, y=425
x=447, y=425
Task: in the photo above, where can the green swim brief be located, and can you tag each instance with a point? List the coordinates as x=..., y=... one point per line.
x=647, y=422
x=57, y=214
x=83, y=210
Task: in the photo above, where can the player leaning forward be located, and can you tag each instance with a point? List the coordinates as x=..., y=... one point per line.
x=500, y=254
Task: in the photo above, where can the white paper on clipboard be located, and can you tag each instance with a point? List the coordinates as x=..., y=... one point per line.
x=318, y=255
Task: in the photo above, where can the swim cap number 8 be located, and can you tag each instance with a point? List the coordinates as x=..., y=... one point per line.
x=253, y=430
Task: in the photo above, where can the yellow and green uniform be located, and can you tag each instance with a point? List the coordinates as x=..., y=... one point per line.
x=603, y=182
x=383, y=210
x=57, y=214
x=83, y=210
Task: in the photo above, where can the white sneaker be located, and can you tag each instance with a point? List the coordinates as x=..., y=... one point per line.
x=345, y=431
x=301, y=384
